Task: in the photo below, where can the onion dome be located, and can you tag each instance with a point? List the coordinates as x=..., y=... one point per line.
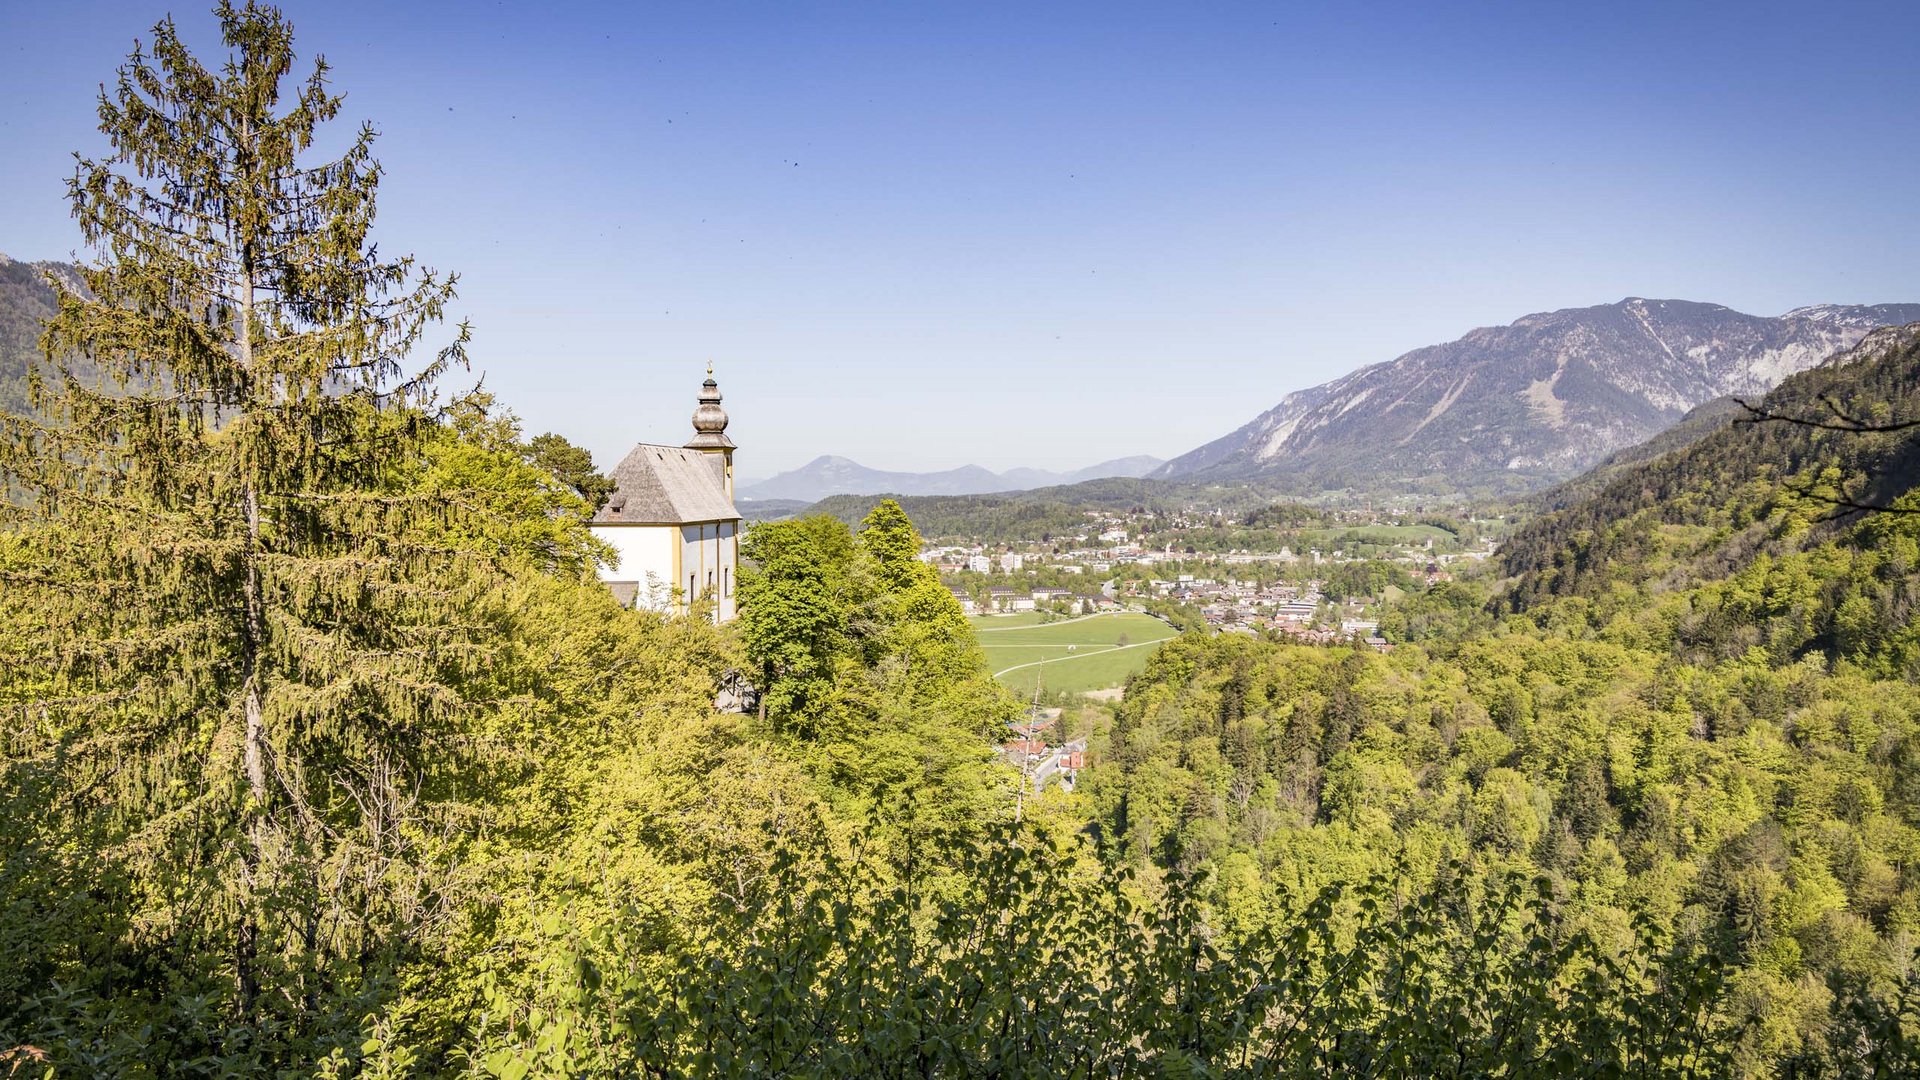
x=710, y=420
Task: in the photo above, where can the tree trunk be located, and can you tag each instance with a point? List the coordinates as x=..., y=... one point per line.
x=255, y=752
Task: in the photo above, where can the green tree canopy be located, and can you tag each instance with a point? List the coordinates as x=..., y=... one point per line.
x=573, y=466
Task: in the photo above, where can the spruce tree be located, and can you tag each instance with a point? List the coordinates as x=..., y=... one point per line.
x=233, y=685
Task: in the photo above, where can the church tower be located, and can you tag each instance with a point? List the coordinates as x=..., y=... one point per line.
x=671, y=521
x=710, y=430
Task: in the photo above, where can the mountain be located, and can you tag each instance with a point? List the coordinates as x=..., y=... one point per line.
x=1704, y=509
x=26, y=300
x=1696, y=425
x=1514, y=408
x=769, y=509
x=1126, y=468
x=824, y=476
x=828, y=475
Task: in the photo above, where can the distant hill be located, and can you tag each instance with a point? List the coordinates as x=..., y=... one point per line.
x=1126, y=468
x=1050, y=511
x=26, y=300
x=769, y=509
x=1026, y=514
x=825, y=476
x=1514, y=408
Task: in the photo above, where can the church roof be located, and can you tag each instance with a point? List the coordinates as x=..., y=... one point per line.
x=667, y=485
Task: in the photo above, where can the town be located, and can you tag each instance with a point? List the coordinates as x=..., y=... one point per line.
x=1164, y=564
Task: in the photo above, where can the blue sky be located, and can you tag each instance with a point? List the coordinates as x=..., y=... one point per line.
x=924, y=235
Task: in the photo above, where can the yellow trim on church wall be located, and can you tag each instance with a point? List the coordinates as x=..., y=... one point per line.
x=679, y=558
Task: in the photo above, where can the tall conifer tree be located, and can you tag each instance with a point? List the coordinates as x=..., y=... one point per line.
x=240, y=683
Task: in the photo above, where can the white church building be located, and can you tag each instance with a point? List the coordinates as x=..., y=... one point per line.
x=671, y=520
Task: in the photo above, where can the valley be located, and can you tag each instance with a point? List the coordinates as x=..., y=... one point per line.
x=413, y=672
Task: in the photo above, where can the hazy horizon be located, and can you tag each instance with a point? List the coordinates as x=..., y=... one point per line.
x=992, y=235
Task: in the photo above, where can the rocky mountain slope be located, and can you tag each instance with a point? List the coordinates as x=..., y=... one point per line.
x=1696, y=425
x=1512, y=408
x=1740, y=487
x=25, y=301
x=825, y=476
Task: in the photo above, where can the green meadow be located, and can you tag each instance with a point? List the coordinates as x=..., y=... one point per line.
x=1075, y=655
x=1375, y=534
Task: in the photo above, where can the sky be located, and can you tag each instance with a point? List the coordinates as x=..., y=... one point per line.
x=929, y=235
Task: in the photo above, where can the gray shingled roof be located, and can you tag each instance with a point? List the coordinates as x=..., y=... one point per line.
x=667, y=485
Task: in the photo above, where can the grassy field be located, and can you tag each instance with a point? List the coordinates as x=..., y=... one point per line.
x=1084, y=654
x=1008, y=621
x=1375, y=534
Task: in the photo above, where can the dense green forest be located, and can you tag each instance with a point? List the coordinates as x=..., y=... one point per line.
x=1020, y=515
x=1694, y=704
x=1207, y=519
x=323, y=752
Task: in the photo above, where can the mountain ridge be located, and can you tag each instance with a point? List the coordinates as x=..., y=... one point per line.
x=1513, y=408
x=830, y=475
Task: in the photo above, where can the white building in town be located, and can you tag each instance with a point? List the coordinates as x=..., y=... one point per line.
x=672, y=522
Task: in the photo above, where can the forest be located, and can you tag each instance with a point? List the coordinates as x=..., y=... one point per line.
x=323, y=751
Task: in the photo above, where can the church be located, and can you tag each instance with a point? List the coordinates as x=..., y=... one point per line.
x=671, y=520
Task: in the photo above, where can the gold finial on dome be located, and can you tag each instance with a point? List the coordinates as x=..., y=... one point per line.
x=710, y=420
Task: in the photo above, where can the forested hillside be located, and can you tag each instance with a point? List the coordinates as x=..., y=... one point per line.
x=1696, y=707
x=1040, y=512
x=1760, y=485
x=1052, y=511
x=323, y=751
x=1693, y=427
